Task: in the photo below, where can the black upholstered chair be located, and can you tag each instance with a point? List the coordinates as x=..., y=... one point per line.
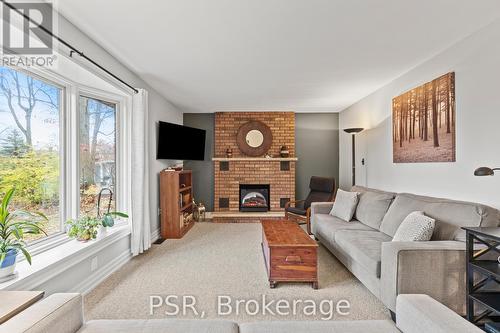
x=322, y=190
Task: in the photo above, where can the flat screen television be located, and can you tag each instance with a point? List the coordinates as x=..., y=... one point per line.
x=177, y=142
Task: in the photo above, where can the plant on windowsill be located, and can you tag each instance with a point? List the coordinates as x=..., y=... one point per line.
x=13, y=227
x=86, y=227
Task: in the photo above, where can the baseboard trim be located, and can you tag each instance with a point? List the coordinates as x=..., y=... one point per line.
x=155, y=235
x=102, y=274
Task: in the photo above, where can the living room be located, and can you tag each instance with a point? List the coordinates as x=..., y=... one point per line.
x=249, y=166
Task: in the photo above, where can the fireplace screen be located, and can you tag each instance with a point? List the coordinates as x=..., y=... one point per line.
x=254, y=198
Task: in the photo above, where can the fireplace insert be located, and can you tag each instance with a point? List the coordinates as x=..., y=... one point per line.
x=254, y=197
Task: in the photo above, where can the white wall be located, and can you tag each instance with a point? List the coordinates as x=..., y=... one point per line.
x=475, y=61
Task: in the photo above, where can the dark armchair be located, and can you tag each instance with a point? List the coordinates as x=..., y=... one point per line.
x=322, y=190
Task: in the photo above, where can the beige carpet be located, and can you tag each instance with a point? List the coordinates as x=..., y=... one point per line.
x=223, y=259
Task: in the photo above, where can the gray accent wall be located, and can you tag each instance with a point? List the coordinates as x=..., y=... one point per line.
x=317, y=148
x=316, y=145
x=203, y=171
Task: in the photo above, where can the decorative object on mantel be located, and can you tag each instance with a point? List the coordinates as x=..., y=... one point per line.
x=284, y=152
x=353, y=131
x=423, y=122
x=13, y=227
x=229, y=153
x=254, y=138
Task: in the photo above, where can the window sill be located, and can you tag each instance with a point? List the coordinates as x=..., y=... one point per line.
x=58, y=259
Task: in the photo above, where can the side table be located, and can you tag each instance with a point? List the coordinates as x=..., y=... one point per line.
x=483, y=275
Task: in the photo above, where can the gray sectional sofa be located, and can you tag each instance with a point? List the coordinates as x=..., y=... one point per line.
x=62, y=313
x=364, y=245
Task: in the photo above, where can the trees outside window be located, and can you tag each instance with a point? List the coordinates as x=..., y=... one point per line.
x=29, y=144
x=97, y=154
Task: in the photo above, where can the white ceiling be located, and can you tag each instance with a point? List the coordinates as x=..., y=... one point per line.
x=300, y=55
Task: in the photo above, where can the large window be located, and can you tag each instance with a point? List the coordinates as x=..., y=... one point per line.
x=97, y=155
x=59, y=147
x=30, y=146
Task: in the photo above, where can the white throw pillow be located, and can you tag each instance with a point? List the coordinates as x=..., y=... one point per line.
x=345, y=205
x=415, y=227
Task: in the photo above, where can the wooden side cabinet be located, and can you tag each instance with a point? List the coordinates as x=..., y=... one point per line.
x=176, y=203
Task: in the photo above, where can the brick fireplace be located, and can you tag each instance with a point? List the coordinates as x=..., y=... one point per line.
x=239, y=170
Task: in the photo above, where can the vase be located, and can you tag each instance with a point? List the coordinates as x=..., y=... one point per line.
x=9, y=264
x=284, y=152
x=102, y=232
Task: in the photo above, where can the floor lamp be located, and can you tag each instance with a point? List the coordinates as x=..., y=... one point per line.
x=353, y=132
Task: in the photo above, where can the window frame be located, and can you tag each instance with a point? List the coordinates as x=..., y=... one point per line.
x=120, y=105
x=69, y=185
x=64, y=86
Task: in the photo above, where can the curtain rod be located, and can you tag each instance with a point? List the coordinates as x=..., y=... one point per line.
x=68, y=45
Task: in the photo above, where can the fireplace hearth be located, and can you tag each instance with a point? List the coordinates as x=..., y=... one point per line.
x=254, y=197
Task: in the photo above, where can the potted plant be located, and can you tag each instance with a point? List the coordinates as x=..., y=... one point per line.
x=13, y=226
x=86, y=227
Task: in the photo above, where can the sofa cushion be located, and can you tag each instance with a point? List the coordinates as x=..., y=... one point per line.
x=345, y=205
x=326, y=226
x=372, y=206
x=364, y=247
x=341, y=326
x=450, y=215
x=415, y=227
x=159, y=326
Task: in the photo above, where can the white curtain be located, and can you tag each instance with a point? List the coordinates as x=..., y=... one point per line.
x=141, y=222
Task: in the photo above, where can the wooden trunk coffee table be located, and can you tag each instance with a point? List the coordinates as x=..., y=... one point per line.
x=290, y=254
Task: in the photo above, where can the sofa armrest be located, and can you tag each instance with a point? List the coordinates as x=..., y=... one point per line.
x=294, y=203
x=421, y=313
x=58, y=313
x=321, y=207
x=435, y=268
x=318, y=208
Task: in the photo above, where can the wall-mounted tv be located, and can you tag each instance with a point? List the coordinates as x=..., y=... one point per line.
x=177, y=142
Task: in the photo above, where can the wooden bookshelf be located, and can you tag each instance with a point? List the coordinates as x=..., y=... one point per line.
x=176, y=203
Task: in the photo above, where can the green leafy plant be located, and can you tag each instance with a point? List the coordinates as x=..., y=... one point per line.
x=14, y=225
x=85, y=228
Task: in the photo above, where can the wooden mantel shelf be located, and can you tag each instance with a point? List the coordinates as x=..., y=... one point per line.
x=251, y=159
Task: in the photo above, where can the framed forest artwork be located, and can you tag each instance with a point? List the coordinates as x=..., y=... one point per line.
x=423, y=122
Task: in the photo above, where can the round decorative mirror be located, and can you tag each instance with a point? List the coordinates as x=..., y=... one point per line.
x=254, y=138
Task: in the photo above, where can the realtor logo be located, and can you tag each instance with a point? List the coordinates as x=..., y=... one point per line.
x=25, y=42
x=42, y=15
